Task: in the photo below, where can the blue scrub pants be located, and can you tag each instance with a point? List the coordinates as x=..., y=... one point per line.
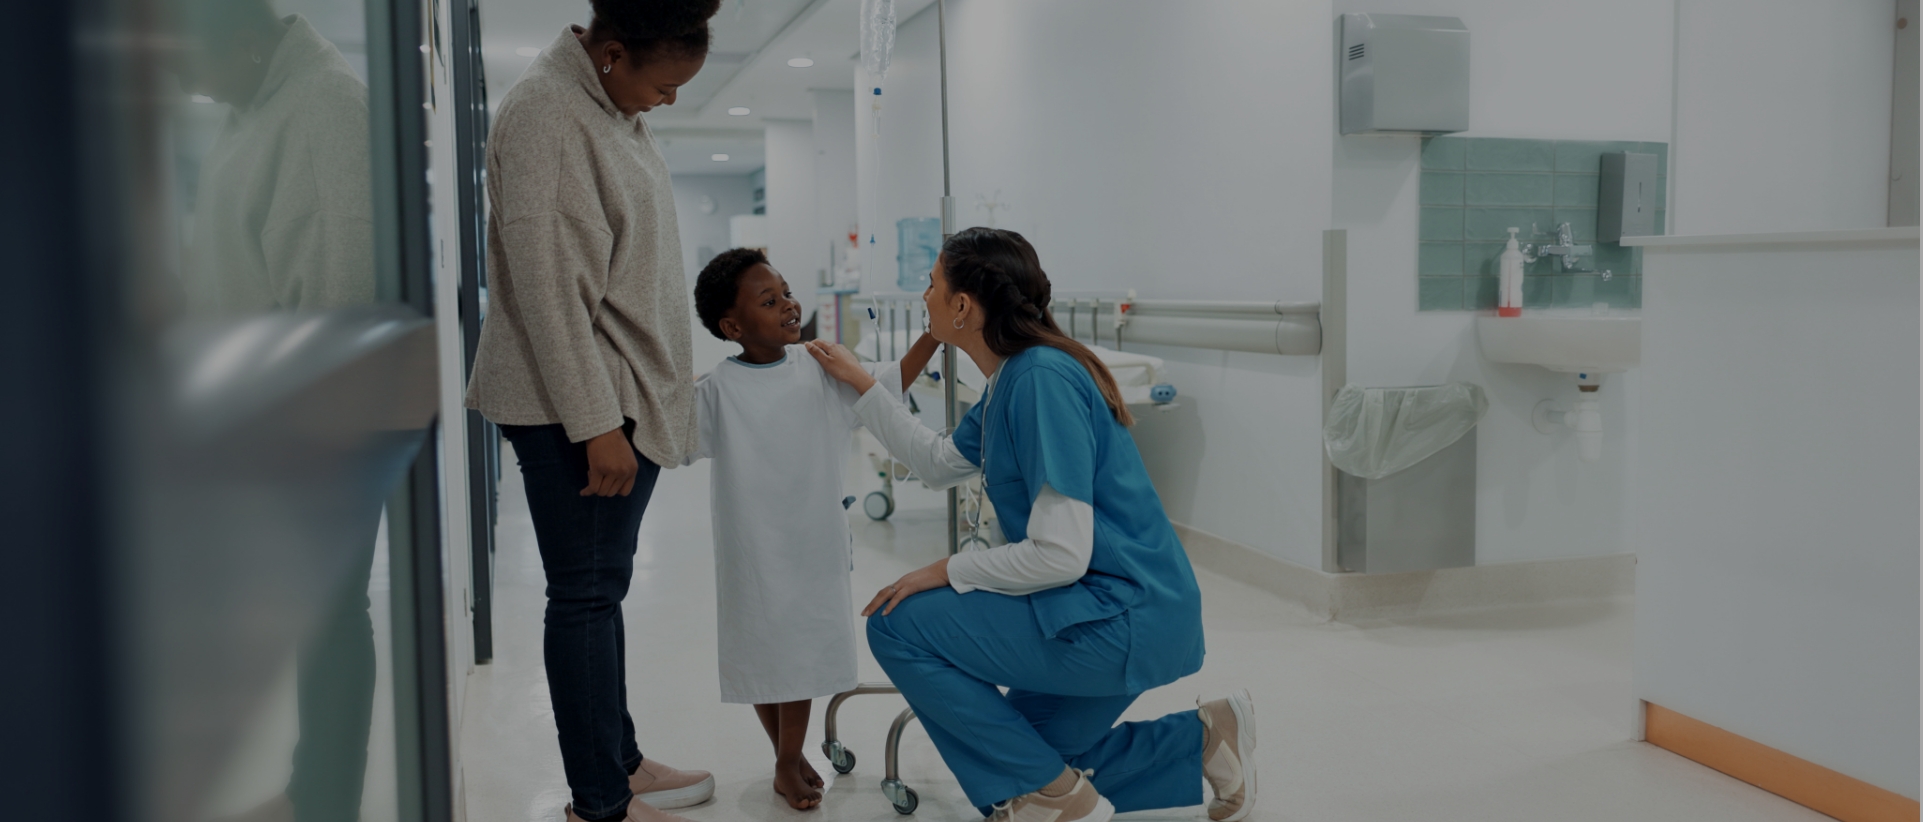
x=947, y=652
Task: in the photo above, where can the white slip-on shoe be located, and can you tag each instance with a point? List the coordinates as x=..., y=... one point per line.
x=667, y=788
x=638, y=811
x=1080, y=804
x=1228, y=754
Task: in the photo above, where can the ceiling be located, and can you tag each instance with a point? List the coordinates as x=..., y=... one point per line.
x=747, y=67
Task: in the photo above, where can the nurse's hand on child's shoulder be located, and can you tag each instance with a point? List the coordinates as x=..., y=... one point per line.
x=841, y=364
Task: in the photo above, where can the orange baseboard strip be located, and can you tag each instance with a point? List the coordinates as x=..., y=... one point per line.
x=1800, y=781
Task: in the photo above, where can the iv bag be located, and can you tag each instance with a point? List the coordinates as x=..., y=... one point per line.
x=877, y=36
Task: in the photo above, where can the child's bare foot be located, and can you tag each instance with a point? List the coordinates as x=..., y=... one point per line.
x=791, y=782
x=809, y=775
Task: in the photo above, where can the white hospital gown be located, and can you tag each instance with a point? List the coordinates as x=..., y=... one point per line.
x=778, y=435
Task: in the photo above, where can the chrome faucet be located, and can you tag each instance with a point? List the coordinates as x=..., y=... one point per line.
x=1565, y=248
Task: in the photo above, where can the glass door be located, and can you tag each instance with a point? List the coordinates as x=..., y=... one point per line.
x=238, y=589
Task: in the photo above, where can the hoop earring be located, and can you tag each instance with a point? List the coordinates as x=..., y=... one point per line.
x=958, y=324
x=607, y=68
x=257, y=58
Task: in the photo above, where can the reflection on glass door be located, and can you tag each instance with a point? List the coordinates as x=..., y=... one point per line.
x=263, y=377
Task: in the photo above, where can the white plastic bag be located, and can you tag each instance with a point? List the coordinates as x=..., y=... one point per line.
x=1375, y=432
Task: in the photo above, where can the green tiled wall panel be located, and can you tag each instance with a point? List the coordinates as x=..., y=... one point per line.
x=1442, y=188
x=1474, y=188
x=1439, y=293
x=1440, y=260
x=1508, y=189
x=1486, y=154
x=1442, y=224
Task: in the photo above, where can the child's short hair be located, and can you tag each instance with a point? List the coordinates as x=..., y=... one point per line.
x=719, y=285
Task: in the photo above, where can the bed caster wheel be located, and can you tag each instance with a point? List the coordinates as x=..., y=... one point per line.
x=878, y=506
x=840, y=758
x=901, y=796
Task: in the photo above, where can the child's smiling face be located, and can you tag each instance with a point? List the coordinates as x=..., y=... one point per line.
x=765, y=312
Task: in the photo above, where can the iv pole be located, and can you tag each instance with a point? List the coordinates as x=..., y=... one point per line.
x=900, y=795
x=951, y=408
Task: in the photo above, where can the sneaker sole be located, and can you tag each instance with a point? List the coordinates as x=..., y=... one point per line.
x=1104, y=811
x=1244, y=707
x=687, y=797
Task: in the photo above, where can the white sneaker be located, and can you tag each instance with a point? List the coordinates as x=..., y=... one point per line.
x=1228, y=754
x=1080, y=804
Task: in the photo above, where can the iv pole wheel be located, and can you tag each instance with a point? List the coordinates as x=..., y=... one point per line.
x=840, y=758
x=878, y=506
x=908, y=802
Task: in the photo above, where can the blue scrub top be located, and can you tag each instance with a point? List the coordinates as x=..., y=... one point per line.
x=1045, y=422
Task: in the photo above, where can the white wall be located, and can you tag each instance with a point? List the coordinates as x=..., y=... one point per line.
x=1534, y=498
x=1776, y=582
x=732, y=194
x=791, y=202
x=1129, y=175
x=1178, y=149
x=1782, y=115
x=834, y=169
x=1175, y=149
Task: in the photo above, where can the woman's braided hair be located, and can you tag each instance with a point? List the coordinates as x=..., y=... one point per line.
x=1001, y=271
x=651, y=27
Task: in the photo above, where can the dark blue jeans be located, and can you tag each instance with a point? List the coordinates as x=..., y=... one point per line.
x=587, y=549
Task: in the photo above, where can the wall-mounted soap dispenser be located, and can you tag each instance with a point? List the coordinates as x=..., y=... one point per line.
x=1404, y=73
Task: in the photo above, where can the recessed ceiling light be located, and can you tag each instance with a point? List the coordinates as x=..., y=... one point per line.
x=201, y=98
x=528, y=51
x=739, y=111
x=801, y=62
x=719, y=158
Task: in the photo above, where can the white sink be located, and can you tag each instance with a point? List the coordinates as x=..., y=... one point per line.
x=1570, y=342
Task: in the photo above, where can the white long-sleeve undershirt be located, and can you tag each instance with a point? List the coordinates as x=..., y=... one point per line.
x=1061, y=529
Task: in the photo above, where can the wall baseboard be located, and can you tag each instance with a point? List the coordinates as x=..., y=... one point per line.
x=1376, y=596
x=1797, y=780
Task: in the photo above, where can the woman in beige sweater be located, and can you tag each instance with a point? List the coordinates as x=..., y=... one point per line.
x=584, y=360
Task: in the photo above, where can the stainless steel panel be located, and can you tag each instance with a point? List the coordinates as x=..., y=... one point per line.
x=1403, y=73
x=1627, y=196
x=1903, y=117
x=1419, y=519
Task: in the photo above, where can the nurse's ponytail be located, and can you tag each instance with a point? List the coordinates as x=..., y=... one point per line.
x=1001, y=270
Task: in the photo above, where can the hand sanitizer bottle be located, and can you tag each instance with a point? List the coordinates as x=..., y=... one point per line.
x=1509, y=301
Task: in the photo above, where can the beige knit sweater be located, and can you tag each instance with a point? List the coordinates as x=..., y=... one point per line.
x=588, y=319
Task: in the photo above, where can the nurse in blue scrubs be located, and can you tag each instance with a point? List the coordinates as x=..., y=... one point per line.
x=1090, y=603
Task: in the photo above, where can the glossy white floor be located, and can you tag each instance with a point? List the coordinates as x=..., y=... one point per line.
x=1513, y=715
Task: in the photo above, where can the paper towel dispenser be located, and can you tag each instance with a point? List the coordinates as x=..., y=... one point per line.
x=1404, y=73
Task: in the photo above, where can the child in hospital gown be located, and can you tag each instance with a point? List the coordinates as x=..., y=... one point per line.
x=777, y=428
